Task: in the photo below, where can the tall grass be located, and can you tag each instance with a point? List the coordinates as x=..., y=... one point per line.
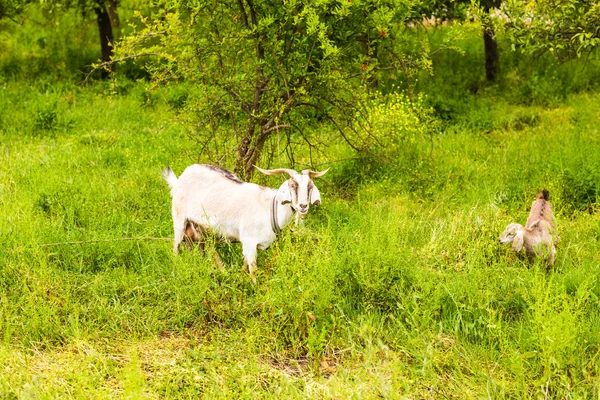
x=395, y=287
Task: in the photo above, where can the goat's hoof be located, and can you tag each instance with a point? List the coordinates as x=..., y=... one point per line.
x=252, y=273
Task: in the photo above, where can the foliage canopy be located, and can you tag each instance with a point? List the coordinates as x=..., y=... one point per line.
x=261, y=65
x=11, y=8
x=566, y=29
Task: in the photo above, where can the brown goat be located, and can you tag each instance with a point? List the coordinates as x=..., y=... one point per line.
x=538, y=237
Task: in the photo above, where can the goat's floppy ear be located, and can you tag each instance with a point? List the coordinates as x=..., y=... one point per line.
x=284, y=195
x=517, y=243
x=315, y=196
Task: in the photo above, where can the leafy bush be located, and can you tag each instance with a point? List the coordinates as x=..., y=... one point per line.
x=581, y=186
x=45, y=119
x=177, y=99
x=393, y=121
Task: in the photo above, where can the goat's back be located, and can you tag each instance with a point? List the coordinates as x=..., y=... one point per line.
x=214, y=197
x=541, y=211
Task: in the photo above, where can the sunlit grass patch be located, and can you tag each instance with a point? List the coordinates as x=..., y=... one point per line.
x=395, y=286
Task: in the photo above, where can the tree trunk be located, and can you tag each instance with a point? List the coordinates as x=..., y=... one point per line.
x=244, y=150
x=114, y=16
x=249, y=150
x=106, y=35
x=255, y=138
x=492, y=57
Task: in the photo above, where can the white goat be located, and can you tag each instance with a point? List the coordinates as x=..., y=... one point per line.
x=537, y=235
x=208, y=199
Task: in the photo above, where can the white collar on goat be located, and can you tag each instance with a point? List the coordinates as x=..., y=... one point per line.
x=274, y=220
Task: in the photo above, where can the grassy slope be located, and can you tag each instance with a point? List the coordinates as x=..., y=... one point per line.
x=396, y=288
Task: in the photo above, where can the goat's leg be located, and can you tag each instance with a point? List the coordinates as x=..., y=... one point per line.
x=189, y=236
x=217, y=259
x=179, y=230
x=213, y=250
x=193, y=236
x=551, y=252
x=249, y=250
x=530, y=256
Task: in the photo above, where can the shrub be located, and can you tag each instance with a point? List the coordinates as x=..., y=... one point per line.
x=392, y=124
x=45, y=119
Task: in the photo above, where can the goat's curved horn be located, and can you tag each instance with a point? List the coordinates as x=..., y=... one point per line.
x=277, y=171
x=314, y=174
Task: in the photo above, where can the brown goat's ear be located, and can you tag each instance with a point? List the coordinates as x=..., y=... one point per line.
x=517, y=243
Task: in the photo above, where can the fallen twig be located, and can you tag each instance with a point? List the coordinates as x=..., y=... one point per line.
x=99, y=241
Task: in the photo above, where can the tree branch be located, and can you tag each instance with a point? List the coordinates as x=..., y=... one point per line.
x=100, y=241
x=277, y=127
x=116, y=60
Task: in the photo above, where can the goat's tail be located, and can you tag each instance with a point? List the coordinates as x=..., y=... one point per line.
x=544, y=195
x=169, y=176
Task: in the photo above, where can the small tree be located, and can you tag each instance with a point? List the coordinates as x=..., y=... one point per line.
x=262, y=65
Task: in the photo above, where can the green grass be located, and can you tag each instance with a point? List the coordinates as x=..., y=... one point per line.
x=395, y=287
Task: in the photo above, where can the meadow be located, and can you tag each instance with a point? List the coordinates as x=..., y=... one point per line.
x=395, y=287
